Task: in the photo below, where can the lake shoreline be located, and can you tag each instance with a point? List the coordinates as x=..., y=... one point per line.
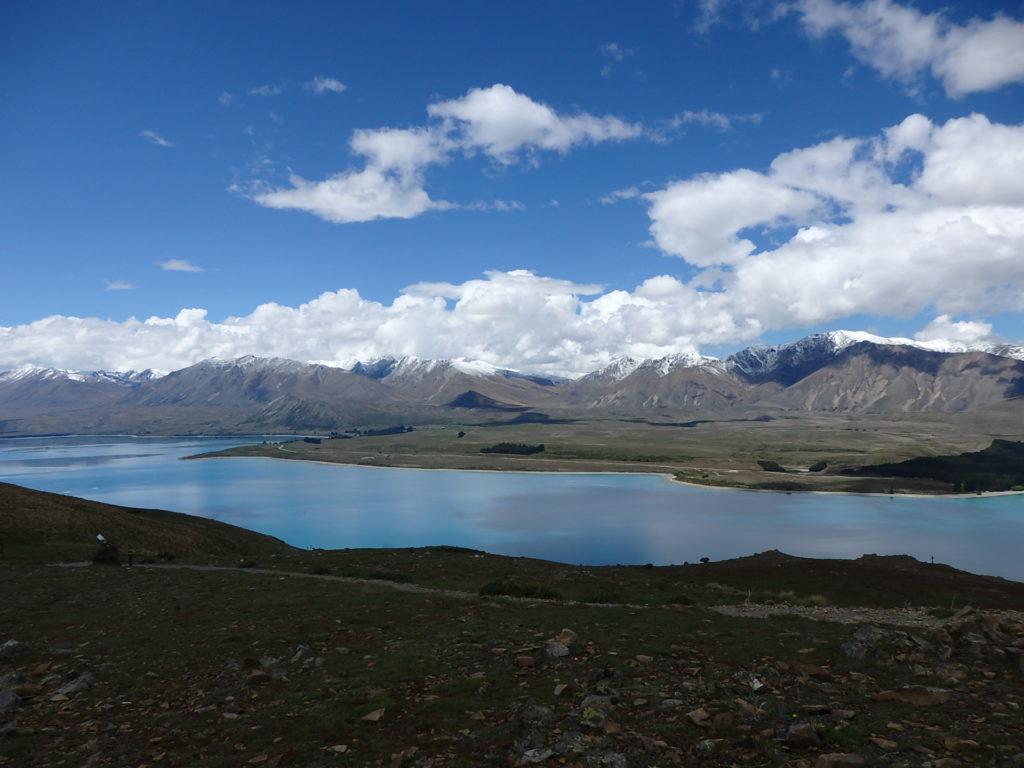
x=664, y=475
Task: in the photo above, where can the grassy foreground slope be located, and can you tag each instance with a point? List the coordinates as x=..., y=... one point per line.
x=284, y=663
x=50, y=527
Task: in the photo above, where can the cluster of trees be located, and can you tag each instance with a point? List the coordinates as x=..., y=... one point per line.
x=521, y=449
x=396, y=430
x=1000, y=467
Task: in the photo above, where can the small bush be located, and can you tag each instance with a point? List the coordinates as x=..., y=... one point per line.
x=681, y=600
x=107, y=554
x=512, y=588
x=602, y=597
x=770, y=466
x=248, y=564
x=724, y=589
x=166, y=556
x=321, y=570
x=843, y=736
x=817, y=466
x=399, y=578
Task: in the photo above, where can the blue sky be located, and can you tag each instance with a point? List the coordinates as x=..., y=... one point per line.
x=544, y=186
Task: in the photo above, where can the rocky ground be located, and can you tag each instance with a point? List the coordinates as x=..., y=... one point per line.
x=108, y=666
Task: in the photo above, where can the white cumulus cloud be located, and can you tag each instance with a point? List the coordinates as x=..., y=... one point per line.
x=354, y=196
x=321, y=85
x=179, y=265
x=392, y=182
x=904, y=44
x=921, y=216
x=156, y=138
x=945, y=328
x=516, y=319
x=501, y=122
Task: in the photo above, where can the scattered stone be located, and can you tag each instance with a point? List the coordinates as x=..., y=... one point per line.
x=374, y=716
x=745, y=707
x=80, y=683
x=942, y=762
x=525, y=661
x=12, y=649
x=708, y=746
x=801, y=736
x=885, y=744
x=566, y=637
x=644, y=659
x=258, y=677
x=598, y=702
x=610, y=727
x=11, y=679
x=815, y=671
x=9, y=700
x=961, y=614
x=537, y=755
x=839, y=760
x=700, y=717
x=722, y=721
x=608, y=760
x=954, y=744
x=863, y=643
x=556, y=649
x=560, y=689
x=917, y=695
x=537, y=714
x=569, y=743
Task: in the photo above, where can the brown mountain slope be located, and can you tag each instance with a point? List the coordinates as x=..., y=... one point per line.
x=64, y=527
x=869, y=377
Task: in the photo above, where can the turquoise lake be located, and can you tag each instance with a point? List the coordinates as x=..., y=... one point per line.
x=586, y=519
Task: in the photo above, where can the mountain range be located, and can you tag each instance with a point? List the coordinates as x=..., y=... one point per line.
x=840, y=371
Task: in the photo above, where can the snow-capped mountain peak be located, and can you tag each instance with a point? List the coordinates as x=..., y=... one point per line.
x=411, y=366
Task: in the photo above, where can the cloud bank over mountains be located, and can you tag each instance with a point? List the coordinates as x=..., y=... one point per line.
x=921, y=217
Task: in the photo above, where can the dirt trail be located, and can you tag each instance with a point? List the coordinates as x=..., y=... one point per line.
x=899, y=617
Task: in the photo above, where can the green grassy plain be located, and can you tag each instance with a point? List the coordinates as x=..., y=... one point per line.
x=719, y=450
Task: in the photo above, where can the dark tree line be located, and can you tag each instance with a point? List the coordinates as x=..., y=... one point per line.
x=521, y=449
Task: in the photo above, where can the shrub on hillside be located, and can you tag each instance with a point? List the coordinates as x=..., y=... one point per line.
x=521, y=449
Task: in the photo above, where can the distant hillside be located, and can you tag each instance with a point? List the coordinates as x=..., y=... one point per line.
x=837, y=372
x=65, y=527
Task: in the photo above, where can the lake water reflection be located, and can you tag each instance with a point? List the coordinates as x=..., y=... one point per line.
x=590, y=519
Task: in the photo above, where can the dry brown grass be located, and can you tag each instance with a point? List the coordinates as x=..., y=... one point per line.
x=36, y=523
